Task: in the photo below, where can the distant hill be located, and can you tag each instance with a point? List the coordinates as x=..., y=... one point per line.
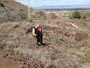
x=64, y=7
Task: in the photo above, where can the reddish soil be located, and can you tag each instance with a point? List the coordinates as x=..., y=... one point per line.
x=8, y=59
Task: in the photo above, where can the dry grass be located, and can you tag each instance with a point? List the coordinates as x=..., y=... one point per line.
x=63, y=50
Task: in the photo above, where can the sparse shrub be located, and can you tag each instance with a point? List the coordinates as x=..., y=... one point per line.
x=6, y=1
x=23, y=15
x=1, y=4
x=84, y=17
x=53, y=15
x=16, y=26
x=6, y=15
x=2, y=46
x=51, y=66
x=39, y=14
x=76, y=14
x=58, y=23
x=31, y=20
x=21, y=9
x=80, y=35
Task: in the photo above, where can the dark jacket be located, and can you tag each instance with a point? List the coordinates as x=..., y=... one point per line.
x=37, y=32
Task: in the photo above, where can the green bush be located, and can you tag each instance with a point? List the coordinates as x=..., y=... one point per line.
x=76, y=14
x=84, y=17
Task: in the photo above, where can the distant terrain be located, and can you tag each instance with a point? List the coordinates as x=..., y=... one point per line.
x=56, y=8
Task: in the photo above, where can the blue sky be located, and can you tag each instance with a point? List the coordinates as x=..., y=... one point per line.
x=38, y=3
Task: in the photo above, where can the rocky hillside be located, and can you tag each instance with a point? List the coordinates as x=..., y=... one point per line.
x=67, y=41
x=10, y=10
x=67, y=44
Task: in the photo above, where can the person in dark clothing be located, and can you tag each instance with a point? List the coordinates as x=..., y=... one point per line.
x=39, y=35
x=37, y=32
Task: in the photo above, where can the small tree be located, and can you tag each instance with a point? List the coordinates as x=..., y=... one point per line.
x=76, y=14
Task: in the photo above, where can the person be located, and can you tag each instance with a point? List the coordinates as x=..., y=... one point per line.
x=37, y=32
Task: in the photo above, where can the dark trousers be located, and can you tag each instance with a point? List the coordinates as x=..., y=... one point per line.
x=39, y=39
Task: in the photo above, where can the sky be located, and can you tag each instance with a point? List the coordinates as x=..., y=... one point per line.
x=39, y=3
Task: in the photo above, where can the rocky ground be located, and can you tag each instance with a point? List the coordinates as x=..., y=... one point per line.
x=67, y=45
x=9, y=59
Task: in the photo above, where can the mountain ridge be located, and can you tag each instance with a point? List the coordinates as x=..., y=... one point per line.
x=65, y=7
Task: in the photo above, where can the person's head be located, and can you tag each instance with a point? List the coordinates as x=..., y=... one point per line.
x=36, y=26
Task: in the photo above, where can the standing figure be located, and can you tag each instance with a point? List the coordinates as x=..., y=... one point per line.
x=37, y=32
